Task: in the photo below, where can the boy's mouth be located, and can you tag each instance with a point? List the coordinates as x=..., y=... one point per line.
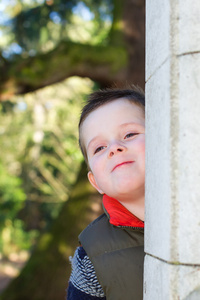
x=121, y=164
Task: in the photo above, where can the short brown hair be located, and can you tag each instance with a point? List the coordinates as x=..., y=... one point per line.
x=101, y=97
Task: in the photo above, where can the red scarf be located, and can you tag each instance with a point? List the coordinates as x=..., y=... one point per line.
x=119, y=215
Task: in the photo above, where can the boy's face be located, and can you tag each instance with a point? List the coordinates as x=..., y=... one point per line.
x=114, y=138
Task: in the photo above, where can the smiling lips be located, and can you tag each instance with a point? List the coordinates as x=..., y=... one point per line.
x=123, y=163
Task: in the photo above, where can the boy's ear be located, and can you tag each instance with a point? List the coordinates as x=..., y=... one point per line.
x=92, y=180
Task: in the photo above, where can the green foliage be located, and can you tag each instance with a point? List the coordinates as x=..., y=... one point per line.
x=14, y=238
x=39, y=160
x=31, y=27
x=12, y=196
x=48, y=269
x=12, y=235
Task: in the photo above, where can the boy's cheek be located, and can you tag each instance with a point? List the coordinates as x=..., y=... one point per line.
x=142, y=144
x=91, y=163
x=95, y=163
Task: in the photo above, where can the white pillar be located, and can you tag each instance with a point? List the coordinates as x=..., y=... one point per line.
x=172, y=224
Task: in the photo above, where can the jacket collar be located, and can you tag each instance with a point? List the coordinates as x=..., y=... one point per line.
x=118, y=215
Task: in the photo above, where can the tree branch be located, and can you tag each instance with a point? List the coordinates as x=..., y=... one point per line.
x=105, y=64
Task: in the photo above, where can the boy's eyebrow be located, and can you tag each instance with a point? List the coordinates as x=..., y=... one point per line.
x=130, y=123
x=121, y=125
x=92, y=140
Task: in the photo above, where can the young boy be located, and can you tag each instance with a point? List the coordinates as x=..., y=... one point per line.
x=109, y=262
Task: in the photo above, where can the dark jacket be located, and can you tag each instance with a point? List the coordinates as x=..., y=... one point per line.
x=114, y=243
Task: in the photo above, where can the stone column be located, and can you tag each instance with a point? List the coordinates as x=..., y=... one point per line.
x=172, y=224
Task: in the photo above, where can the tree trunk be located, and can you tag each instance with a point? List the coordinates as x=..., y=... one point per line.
x=134, y=34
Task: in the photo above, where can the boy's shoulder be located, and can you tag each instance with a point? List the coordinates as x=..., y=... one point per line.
x=91, y=236
x=95, y=223
x=100, y=235
x=94, y=228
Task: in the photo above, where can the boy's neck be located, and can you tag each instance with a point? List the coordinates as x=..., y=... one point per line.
x=135, y=205
x=136, y=210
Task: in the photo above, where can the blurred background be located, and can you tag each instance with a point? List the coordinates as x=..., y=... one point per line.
x=53, y=53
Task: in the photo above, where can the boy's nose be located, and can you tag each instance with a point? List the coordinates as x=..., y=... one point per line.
x=114, y=149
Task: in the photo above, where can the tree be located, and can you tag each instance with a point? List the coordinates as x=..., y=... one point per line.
x=114, y=60
x=118, y=58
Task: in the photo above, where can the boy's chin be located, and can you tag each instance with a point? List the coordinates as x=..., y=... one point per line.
x=126, y=192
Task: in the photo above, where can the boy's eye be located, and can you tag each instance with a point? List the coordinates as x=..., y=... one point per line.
x=99, y=149
x=131, y=134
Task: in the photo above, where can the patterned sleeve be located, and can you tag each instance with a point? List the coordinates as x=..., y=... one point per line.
x=83, y=283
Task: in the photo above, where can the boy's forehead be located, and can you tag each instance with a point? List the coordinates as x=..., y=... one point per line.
x=110, y=111
x=115, y=106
